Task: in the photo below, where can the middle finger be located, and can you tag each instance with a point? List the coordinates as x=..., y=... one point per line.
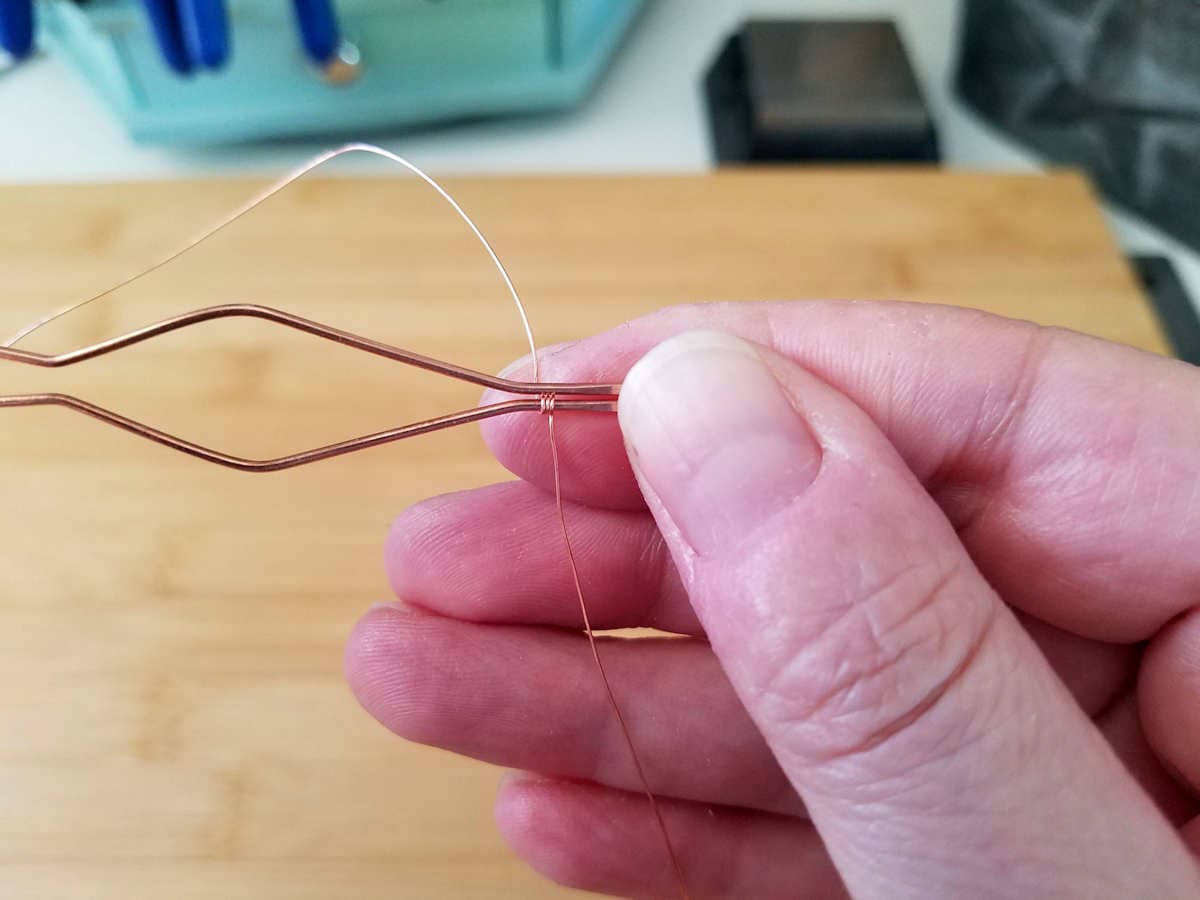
x=530, y=698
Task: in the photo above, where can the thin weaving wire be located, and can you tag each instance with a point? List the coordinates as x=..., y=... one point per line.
x=612, y=698
x=266, y=194
x=547, y=406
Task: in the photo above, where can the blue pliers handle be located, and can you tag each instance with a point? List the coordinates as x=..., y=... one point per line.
x=194, y=34
x=205, y=31
x=16, y=27
x=318, y=28
x=191, y=34
x=164, y=22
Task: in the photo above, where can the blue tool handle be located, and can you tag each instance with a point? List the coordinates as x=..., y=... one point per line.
x=164, y=22
x=16, y=27
x=205, y=31
x=318, y=28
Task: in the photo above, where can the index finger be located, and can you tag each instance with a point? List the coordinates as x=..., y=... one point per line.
x=1067, y=464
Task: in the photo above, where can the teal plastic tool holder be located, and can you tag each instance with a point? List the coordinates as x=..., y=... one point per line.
x=420, y=61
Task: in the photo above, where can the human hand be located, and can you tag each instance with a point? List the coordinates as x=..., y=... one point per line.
x=939, y=579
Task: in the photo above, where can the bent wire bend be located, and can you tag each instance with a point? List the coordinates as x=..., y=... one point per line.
x=544, y=397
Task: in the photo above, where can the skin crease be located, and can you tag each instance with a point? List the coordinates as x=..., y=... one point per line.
x=938, y=605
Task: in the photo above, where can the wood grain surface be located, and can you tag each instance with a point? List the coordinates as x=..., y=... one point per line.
x=173, y=715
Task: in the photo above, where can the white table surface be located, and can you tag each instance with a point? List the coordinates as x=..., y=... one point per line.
x=646, y=116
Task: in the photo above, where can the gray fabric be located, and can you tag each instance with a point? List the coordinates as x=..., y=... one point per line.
x=1111, y=85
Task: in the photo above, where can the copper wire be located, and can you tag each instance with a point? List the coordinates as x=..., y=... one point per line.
x=533, y=396
x=582, y=397
x=266, y=194
x=655, y=808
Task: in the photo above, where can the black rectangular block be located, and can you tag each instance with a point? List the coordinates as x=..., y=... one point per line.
x=817, y=90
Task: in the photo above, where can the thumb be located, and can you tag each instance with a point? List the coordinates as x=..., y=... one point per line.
x=936, y=751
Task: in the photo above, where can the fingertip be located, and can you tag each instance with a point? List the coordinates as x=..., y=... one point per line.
x=1168, y=683
x=532, y=816
x=595, y=469
x=395, y=554
x=555, y=362
x=506, y=436
x=388, y=664
x=472, y=554
x=527, y=823
x=442, y=554
x=583, y=836
x=516, y=804
x=369, y=637
x=1191, y=837
x=371, y=642
x=517, y=370
x=422, y=544
x=518, y=442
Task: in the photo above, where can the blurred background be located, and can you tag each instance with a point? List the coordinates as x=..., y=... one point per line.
x=107, y=91
x=176, y=721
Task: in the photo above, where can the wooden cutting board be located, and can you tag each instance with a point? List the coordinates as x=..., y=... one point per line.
x=173, y=715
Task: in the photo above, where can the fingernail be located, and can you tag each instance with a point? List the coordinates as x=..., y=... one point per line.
x=516, y=778
x=712, y=434
x=391, y=606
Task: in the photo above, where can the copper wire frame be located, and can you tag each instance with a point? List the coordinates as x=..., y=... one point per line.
x=533, y=396
x=543, y=397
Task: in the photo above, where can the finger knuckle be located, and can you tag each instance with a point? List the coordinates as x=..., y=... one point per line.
x=878, y=663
